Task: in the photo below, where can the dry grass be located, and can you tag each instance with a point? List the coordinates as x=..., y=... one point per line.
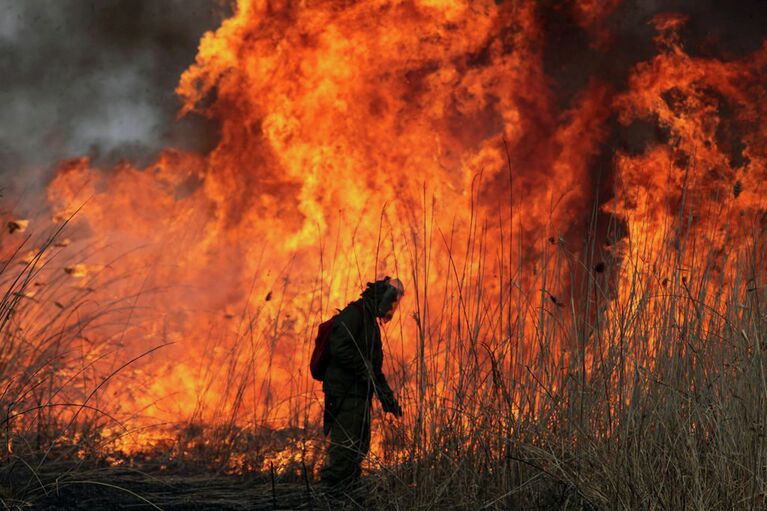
x=634, y=390
x=642, y=389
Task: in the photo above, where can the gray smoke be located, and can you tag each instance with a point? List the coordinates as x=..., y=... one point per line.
x=96, y=78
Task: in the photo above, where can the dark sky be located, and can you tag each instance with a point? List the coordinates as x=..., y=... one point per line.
x=95, y=77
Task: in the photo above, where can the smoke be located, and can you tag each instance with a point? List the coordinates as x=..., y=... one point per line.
x=96, y=78
x=715, y=29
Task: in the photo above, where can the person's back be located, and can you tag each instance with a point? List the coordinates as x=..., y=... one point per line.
x=356, y=339
x=354, y=374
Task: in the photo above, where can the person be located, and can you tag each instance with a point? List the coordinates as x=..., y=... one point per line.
x=353, y=376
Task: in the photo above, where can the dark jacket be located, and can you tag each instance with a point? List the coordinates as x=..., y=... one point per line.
x=356, y=355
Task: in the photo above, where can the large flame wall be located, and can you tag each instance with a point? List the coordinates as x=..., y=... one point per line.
x=360, y=139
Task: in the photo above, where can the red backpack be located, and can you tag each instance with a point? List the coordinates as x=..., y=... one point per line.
x=321, y=353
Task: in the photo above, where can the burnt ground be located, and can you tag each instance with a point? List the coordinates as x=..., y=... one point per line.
x=131, y=489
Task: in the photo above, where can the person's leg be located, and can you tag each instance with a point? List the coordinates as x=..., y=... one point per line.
x=365, y=437
x=349, y=442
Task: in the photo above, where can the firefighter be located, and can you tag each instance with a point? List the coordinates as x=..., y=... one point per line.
x=353, y=376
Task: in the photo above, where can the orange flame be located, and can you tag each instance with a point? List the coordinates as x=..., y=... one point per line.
x=371, y=138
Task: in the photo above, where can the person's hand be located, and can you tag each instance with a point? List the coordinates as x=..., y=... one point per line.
x=390, y=405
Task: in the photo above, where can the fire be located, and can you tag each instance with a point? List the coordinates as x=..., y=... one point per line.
x=699, y=190
x=372, y=138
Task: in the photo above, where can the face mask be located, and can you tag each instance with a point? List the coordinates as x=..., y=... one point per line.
x=386, y=303
x=389, y=315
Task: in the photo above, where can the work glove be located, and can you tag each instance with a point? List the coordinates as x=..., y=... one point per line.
x=390, y=405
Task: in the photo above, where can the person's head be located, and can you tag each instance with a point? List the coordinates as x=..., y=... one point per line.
x=385, y=294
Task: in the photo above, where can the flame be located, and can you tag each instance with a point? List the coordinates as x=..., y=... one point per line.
x=695, y=190
x=383, y=138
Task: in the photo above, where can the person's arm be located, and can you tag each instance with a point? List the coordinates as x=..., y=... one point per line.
x=384, y=392
x=382, y=386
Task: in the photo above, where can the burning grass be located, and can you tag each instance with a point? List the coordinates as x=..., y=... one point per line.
x=549, y=353
x=651, y=397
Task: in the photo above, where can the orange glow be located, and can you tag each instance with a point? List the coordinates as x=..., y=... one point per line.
x=370, y=138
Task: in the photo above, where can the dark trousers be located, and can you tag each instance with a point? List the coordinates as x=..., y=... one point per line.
x=349, y=439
